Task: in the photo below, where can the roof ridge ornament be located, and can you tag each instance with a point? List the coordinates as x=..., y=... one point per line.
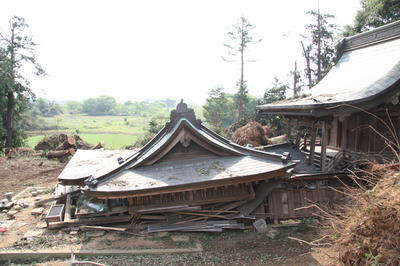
x=182, y=107
x=182, y=111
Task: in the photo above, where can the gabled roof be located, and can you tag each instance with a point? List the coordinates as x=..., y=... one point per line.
x=366, y=74
x=184, y=153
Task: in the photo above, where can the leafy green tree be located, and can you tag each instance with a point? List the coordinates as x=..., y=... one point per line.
x=274, y=94
x=17, y=49
x=219, y=110
x=102, y=105
x=373, y=14
x=73, y=107
x=240, y=39
x=318, y=46
x=48, y=108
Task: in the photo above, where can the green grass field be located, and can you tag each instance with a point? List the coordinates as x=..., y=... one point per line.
x=95, y=124
x=116, y=131
x=112, y=141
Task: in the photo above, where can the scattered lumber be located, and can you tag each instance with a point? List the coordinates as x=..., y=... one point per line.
x=91, y=221
x=61, y=146
x=262, y=192
x=67, y=144
x=60, y=154
x=223, y=213
x=105, y=228
x=56, y=198
x=204, y=226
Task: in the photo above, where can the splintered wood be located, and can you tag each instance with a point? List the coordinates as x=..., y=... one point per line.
x=209, y=210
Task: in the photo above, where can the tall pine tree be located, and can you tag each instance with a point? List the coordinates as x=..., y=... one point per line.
x=318, y=46
x=240, y=39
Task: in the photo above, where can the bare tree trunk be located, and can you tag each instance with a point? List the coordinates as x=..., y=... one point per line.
x=319, y=74
x=10, y=100
x=9, y=120
x=308, y=64
x=241, y=88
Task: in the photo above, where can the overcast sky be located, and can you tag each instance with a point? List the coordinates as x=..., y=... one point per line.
x=138, y=50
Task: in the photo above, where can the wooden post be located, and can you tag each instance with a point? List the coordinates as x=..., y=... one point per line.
x=289, y=130
x=343, y=141
x=312, y=143
x=324, y=141
x=298, y=136
x=67, y=214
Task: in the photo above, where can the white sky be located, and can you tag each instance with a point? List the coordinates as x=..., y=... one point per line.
x=137, y=50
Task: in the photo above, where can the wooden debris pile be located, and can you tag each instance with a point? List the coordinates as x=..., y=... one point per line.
x=228, y=213
x=62, y=145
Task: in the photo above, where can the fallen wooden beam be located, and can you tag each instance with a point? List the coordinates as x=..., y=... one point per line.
x=92, y=221
x=105, y=228
x=262, y=191
x=64, y=253
x=55, y=198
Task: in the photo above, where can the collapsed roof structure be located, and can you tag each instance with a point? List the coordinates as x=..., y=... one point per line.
x=185, y=167
x=188, y=178
x=354, y=110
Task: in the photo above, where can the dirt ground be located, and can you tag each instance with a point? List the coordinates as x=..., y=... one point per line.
x=228, y=248
x=18, y=173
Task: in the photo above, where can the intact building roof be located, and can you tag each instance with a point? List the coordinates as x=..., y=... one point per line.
x=183, y=155
x=368, y=67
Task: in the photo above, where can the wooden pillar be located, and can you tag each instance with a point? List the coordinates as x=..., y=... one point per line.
x=298, y=134
x=305, y=142
x=343, y=141
x=324, y=142
x=312, y=142
x=67, y=214
x=289, y=130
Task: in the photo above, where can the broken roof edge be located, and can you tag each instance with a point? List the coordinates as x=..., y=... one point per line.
x=181, y=117
x=278, y=173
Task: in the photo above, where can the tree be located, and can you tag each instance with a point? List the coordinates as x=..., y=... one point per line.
x=318, y=46
x=102, y=105
x=296, y=75
x=274, y=94
x=17, y=50
x=218, y=110
x=373, y=14
x=240, y=39
x=73, y=107
x=48, y=108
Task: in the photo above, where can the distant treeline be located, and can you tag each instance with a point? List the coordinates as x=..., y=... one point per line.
x=102, y=105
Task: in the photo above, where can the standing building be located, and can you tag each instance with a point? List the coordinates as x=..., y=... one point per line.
x=354, y=111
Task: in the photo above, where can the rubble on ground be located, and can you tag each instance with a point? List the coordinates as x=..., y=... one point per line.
x=62, y=145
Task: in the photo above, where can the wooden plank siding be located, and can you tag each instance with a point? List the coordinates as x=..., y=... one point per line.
x=283, y=203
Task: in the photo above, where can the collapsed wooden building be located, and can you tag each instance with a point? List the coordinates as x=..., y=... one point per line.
x=353, y=114
x=186, y=178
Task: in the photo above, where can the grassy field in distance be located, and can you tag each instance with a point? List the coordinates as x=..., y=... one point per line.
x=112, y=141
x=116, y=131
